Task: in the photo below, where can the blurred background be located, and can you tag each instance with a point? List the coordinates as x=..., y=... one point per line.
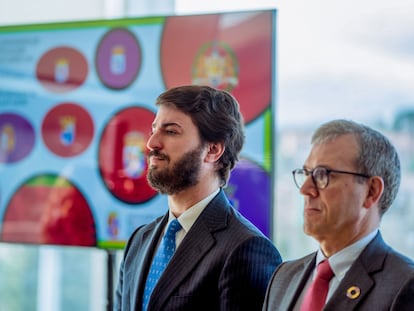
x=352, y=59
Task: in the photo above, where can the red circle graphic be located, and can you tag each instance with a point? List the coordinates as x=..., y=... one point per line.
x=122, y=155
x=67, y=129
x=62, y=69
x=227, y=51
x=49, y=209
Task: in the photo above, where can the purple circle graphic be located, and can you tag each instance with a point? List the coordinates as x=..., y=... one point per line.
x=249, y=190
x=16, y=137
x=118, y=58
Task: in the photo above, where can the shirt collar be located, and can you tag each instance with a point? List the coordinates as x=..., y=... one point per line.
x=188, y=218
x=341, y=262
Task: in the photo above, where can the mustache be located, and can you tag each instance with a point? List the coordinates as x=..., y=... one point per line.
x=158, y=154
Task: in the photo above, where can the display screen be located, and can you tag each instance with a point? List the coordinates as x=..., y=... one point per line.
x=76, y=107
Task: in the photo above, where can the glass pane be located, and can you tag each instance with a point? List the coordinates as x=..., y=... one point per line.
x=52, y=278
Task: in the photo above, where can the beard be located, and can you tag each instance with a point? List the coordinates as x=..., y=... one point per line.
x=182, y=175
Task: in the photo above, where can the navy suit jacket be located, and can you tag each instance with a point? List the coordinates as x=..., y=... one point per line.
x=385, y=279
x=223, y=263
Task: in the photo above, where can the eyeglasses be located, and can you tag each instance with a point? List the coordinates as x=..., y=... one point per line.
x=320, y=176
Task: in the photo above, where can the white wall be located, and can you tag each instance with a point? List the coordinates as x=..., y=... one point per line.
x=40, y=11
x=13, y=12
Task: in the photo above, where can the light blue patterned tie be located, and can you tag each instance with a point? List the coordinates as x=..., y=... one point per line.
x=162, y=257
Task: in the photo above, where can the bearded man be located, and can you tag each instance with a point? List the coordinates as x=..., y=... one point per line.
x=218, y=259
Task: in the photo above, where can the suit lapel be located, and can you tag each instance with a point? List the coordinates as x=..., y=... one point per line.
x=142, y=263
x=351, y=290
x=198, y=241
x=298, y=280
x=358, y=282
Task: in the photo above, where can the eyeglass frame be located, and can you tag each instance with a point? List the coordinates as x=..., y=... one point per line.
x=308, y=173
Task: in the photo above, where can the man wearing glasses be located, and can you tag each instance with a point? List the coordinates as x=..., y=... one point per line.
x=349, y=180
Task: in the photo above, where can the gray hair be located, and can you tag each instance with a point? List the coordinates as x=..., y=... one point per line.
x=377, y=156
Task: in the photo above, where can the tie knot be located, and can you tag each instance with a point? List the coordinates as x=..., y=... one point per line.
x=324, y=270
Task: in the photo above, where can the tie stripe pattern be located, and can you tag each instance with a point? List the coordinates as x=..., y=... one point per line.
x=162, y=257
x=315, y=297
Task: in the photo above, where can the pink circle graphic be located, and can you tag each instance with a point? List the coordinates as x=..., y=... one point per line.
x=118, y=58
x=17, y=138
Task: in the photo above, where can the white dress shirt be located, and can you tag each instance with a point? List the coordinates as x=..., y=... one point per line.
x=340, y=263
x=188, y=218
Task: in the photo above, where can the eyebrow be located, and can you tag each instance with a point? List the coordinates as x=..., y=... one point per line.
x=167, y=124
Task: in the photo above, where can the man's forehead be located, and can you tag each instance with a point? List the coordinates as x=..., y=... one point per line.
x=168, y=116
x=342, y=148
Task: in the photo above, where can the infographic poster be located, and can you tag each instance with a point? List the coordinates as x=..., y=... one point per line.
x=76, y=107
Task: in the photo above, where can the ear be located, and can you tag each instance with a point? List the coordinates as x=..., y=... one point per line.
x=376, y=187
x=214, y=151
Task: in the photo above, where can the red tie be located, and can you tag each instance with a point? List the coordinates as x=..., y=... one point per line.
x=315, y=297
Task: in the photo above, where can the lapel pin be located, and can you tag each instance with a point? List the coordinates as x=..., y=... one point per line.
x=353, y=292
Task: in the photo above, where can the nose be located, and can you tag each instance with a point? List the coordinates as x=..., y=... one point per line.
x=309, y=188
x=153, y=141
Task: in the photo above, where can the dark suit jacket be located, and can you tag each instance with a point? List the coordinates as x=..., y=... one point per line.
x=223, y=263
x=385, y=278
